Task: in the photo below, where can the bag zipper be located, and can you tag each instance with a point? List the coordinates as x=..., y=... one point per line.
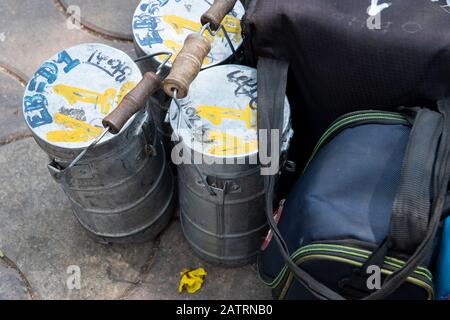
x=356, y=119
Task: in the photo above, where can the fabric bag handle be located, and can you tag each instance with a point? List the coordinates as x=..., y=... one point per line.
x=412, y=204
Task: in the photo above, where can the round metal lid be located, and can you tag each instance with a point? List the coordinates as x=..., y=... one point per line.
x=163, y=25
x=220, y=113
x=69, y=95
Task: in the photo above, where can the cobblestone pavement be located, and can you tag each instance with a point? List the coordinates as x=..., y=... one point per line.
x=39, y=237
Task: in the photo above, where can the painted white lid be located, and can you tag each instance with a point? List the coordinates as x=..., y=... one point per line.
x=220, y=113
x=163, y=25
x=67, y=98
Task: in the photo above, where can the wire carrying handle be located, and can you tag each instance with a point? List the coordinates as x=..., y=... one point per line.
x=189, y=61
x=150, y=56
x=213, y=18
x=217, y=12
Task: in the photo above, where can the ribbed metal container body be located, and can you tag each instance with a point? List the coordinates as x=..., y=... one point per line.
x=227, y=228
x=120, y=192
x=218, y=133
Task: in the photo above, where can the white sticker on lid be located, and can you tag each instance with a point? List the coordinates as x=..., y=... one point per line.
x=69, y=95
x=220, y=113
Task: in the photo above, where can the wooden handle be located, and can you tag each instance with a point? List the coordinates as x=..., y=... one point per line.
x=217, y=13
x=187, y=65
x=132, y=102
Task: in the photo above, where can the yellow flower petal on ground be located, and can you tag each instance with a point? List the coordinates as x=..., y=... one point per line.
x=184, y=271
x=181, y=286
x=191, y=281
x=200, y=272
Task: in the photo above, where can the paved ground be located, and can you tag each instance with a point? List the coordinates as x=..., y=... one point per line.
x=39, y=237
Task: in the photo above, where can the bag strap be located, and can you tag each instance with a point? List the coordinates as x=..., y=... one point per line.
x=272, y=81
x=277, y=71
x=411, y=211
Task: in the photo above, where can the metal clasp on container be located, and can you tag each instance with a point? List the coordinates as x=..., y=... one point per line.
x=56, y=171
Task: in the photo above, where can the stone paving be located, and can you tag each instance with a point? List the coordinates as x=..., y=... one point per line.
x=39, y=237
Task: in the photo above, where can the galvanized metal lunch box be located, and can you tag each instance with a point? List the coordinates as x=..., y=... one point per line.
x=122, y=190
x=220, y=184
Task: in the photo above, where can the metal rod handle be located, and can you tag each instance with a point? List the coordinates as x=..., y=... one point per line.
x=134, y=101
x=217, y=13
x=187, y=65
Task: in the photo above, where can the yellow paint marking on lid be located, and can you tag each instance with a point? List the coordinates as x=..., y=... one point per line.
x=173, y=46
x=216, y=115
x=81, y=131
x=179, y=23
x=124, y=90
x=74, y=95
x=231, y=24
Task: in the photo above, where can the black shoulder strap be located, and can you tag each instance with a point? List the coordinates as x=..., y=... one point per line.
x=272, y=79
x=411, y=211
x=271, y=74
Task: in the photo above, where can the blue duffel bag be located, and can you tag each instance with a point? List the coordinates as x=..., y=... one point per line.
x=368, y=205
x=364, y=200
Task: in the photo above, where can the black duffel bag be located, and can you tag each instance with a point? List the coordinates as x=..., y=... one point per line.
x=372, y=195
x=340, y=62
